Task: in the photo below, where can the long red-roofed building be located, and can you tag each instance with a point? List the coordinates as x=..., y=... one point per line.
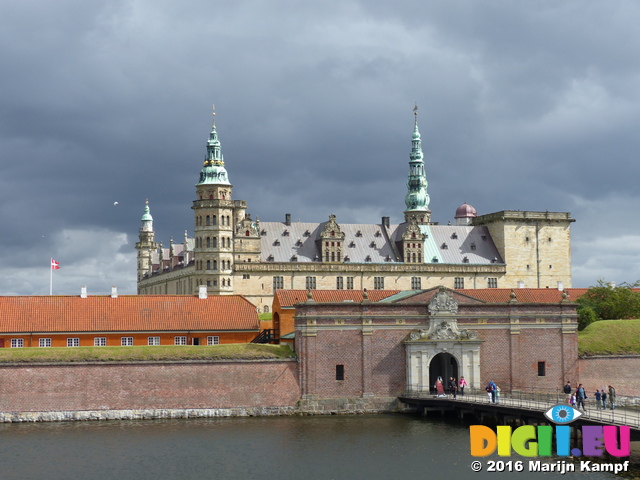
x=124, y=320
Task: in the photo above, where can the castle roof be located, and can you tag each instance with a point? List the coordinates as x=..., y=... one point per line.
x=129, y=313
x=288, y=298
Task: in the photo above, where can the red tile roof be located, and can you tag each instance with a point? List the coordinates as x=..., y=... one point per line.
x=523, y=295
x=128, y=313
x=288, y=298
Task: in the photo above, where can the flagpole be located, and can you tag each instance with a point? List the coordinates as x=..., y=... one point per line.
x=51, y=277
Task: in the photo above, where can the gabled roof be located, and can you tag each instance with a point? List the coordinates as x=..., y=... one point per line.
x=492, y=295
x=126, y=313
x=288, y=298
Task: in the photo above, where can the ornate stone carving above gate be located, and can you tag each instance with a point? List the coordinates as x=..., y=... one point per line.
x=445, y=330
x=443, y=302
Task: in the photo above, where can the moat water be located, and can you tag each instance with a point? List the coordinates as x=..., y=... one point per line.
x=297, y=448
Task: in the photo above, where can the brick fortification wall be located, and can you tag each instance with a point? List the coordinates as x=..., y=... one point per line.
x=621, y=371
x=186, y=385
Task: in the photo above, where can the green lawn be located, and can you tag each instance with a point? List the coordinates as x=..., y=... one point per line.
x=610, y=337
x=241, y=351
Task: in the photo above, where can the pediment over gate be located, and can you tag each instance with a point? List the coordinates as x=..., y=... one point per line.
x=443, y=330
x=426, y=296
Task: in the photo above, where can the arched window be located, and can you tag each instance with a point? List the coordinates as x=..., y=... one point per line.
x=246, y=234
x=208, y=264
x=208, y=242
x=266, y=309
x=215, y=264
x=215, y=220
x=215, y=242
x=209, y=220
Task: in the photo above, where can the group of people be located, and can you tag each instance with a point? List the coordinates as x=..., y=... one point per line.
x=454, y=387
x=604, y=399
x=493, y=392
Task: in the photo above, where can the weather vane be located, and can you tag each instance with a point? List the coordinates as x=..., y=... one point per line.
x=213, y=109
x=415, y=109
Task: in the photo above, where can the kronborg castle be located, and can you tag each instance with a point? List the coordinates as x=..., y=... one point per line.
x=232, y=253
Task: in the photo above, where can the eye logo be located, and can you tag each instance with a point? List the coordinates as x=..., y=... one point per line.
x=562, y=414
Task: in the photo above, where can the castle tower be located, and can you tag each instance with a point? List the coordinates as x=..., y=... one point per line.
x=215, y=216
x=417, y=199
x=146, y=246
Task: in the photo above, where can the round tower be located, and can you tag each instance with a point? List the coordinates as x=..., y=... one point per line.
x=146, y=244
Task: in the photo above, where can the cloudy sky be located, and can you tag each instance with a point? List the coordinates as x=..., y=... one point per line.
x=522, y=105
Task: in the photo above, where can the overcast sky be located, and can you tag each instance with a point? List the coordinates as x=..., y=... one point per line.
x=522, y=106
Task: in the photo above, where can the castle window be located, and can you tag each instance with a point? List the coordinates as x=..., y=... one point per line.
x=208, y=220
x=299, y=243
x=550, y=266
x=153, y=341
x=126, y=341
x=73, y=342
x=413, y=235
x=492, y=283
x=549, y=238
x=373, y=245
x=484, y=237
x=352, y=244
x=266, y=309
x=526, y=239
x=100, y=341
x=378, y=234
x=208, y=242
x=246, y=233
x=246, y=276
x=416, y=283
x=358, y=233
x=310, y=283
x=215, y=264
x=339, y=283
x=528, y=267
x=541, y=369
x=378, y=283
x=350, y=283
x=294, y=258
x=339, y=372
x=333, y=256
x=278, y=283
x=473, y=246
x=44, y=342
x=454, y=236
x=285, y=233
x=263, y=233
x=465, y=260
x=326, y=244
x=208, y=264
x=434, y=260
x=458, y=282
x=213, y=340
x=306, y=233
x=444, y=246
x=333, y=233
x=367, y=258
x=347, y=258
x=180, y=340
x=214, y=220
x=17, y=342
x=276, y=243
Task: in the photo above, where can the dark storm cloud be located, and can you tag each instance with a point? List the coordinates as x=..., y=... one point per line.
x=521, y=107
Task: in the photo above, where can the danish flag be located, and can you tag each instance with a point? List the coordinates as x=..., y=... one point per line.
x=54, y=265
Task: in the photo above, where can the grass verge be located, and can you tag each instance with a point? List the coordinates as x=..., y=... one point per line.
x=610, y=337
x=240, y=351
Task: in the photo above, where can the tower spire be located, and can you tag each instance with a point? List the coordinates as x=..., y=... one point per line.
x=417, y=199
x=213, y=171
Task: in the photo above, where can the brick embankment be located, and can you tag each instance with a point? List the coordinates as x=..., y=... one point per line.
x=621, y=371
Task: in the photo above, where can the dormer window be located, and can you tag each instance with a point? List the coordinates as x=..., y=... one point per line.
x=465, y=260
x=484, y=237
x=372, y=244
x=434, y=260
x=299, y=243
x=276, y=243
x=294, y=258
x=387, y=258
x=378, y=234
x=346, y=258
x=285, y=233
x=454, y=236
x=307, y=233
x=473, y=246
x=444, y=246
x=358, y=233
x=368, y=258
x=270, y=258
x=333, y=233
x=352, y=244
x=263, y=233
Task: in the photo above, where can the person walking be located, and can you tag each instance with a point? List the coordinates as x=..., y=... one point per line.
x=461, y=384
x=453, y=386
x=491, y=391
x=567, y=391
x=612, y=397
x=581, y=395
x=598, y=399
x=603, y=395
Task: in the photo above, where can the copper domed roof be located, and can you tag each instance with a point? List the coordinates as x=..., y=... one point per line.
x=466, y=211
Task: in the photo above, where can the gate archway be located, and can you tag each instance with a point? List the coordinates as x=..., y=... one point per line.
x=443, y=366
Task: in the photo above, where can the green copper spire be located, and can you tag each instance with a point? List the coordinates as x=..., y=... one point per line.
x=213, y=171
x=146, y=216
x=417, y=199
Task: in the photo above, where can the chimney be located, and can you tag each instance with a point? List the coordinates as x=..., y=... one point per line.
x=560, y=286
x=114, y=292
x=83, y=292
x=202, y=291
x=385, y=221
x=287, y=219
x=520, y=284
